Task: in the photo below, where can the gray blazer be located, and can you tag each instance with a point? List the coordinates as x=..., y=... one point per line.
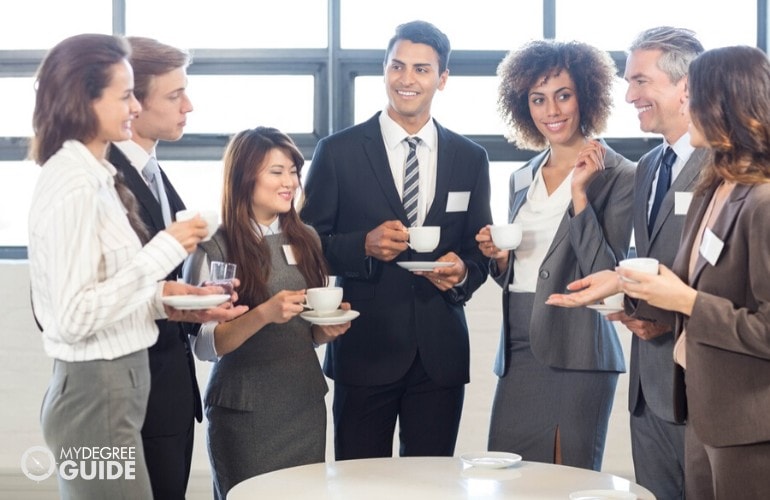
x=596, y=239
x=652, y=367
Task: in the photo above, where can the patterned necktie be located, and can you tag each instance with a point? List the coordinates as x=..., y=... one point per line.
x=661, y=188
x=411, y=181
x=151, y=173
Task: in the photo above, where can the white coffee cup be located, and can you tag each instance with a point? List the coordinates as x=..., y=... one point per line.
x=324, y=300
x=424, y=238
x=506, y=236
x=614, y=300
x=646, y=265
x=210, y=216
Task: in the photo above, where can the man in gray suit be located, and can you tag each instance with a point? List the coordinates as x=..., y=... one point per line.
x=656, y=72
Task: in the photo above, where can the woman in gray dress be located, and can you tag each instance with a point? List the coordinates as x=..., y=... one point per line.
x=558, y=368
x=265, y=398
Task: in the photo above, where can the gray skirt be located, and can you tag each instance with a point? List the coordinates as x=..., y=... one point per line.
x=97, y=404
x=533, y=400
x=243, y=444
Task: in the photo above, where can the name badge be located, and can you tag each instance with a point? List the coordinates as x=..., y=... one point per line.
x=711, y=247
x=289, y=253
x=522, y=178
x=682, y=201
x=458, y=201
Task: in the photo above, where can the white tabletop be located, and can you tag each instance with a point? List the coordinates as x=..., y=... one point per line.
x=424, y=478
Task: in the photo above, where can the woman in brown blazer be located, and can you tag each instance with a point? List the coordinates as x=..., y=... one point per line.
x=720, y=281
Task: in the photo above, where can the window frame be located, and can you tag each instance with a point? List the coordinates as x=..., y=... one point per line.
x=334, y=71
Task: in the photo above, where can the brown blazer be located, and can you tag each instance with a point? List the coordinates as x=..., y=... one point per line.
x=728, y=333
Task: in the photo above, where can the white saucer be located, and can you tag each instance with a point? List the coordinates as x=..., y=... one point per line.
x=415, y=265
x=491, y=459
x=602, y=495
x=336, y=318
x=192, y=302
x=604, y=309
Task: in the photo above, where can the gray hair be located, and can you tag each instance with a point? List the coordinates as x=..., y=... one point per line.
x=678, y=45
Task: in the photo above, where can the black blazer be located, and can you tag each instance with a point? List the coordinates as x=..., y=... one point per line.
x=174, y=394
x=349, y=191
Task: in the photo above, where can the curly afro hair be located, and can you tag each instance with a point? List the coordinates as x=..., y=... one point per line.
x=591, y=69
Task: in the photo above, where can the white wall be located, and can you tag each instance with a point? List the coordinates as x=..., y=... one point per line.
x=24, y=373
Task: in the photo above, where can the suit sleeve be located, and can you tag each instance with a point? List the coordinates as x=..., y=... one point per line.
x=717, y=321
x=479, y=215
x=345, y=252
x=600, y=235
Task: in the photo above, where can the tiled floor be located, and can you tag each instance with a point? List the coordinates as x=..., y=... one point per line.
x=24, y=372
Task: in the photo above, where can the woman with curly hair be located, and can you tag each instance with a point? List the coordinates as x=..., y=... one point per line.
x=558, y=368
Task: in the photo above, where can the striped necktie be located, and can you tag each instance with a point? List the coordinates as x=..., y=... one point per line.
x=411, y=181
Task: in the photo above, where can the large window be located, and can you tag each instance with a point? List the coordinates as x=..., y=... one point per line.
x=312, y=67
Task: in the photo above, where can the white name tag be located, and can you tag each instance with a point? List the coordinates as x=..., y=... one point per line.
x=522, y=178
x=711, y=247
x=289, y=253
x=682, y=201
x=458, y=201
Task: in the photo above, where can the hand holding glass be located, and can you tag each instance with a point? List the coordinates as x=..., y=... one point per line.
x=222, y=274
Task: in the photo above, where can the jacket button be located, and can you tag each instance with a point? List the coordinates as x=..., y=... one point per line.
x=544, y=274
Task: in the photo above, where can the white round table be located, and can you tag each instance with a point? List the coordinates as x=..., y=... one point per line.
x=425, y=478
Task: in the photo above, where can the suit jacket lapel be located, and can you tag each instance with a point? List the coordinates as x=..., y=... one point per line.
x=685, y=181
x=445, y=165
x=136, y=184
x=174, y=200
x=723, y=225
x=520, y=194
x=378, y=162
x=520, y=197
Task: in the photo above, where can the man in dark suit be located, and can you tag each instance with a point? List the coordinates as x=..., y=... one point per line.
x=167, y=434
x=407, y=355
x=656, y=72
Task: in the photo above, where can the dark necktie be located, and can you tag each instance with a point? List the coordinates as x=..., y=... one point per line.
x=661, y=188
x=151, y=173
x=411, y=181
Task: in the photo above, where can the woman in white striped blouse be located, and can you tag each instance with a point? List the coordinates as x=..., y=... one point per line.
x=96, y=289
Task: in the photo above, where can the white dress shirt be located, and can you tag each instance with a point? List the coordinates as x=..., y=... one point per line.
x=393, y=136
x=683, y=150
x=136, y=155
x=96, y=290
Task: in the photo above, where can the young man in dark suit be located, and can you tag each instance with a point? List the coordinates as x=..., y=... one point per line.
x=160, y=81
x=407, y=356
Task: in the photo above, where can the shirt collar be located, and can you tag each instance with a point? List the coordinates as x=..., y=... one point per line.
x=101, y=167
x=393, y=133
x=262, y=230
x=682, y=147
x=135, y=153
